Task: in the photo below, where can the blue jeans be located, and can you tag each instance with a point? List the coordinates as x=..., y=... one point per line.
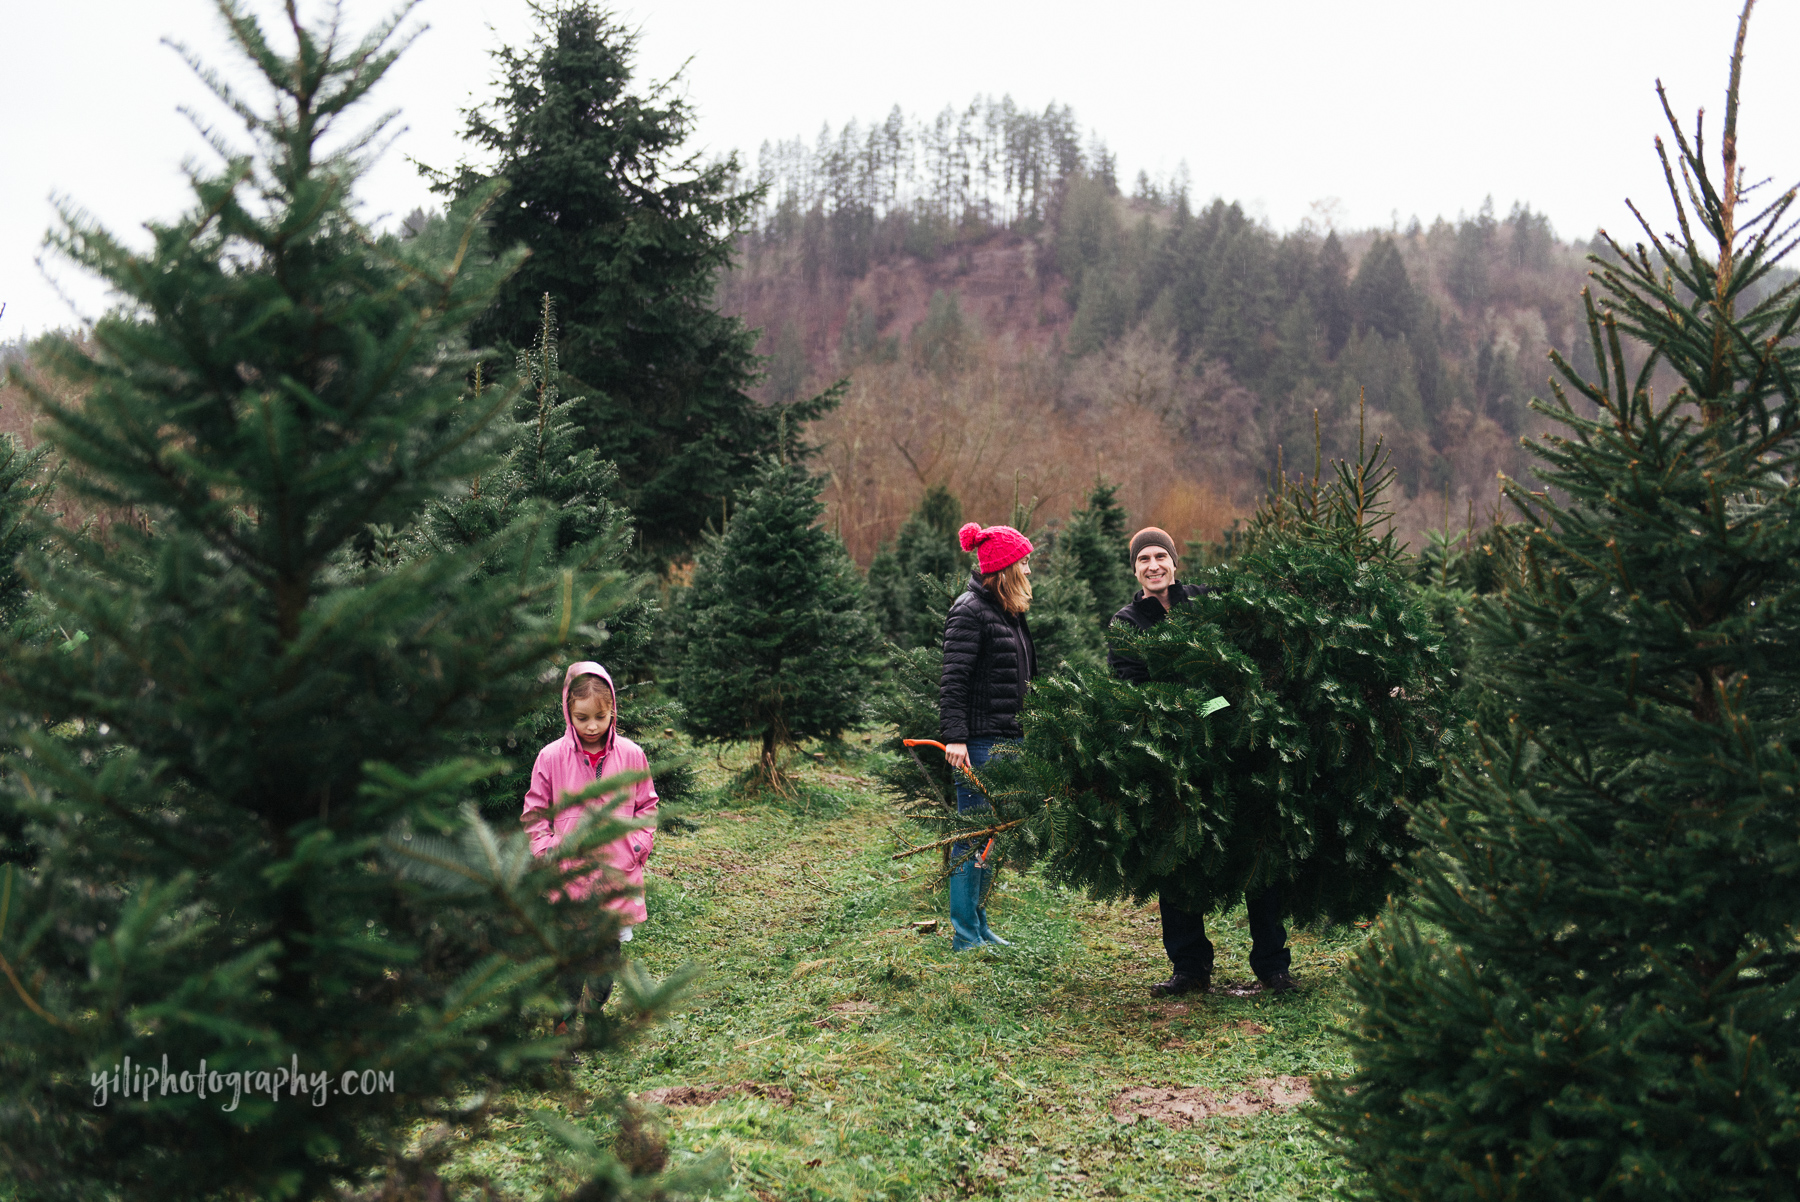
x=968, y=797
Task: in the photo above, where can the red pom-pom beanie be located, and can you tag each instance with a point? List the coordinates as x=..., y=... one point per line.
x=996, y=547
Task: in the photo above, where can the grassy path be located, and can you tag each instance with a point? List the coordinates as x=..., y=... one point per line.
x=914, y=1073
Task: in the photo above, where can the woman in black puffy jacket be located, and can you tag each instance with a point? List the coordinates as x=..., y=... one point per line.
x=988, y=663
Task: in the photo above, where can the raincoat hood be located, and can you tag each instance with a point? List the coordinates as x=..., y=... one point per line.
x=588, y=667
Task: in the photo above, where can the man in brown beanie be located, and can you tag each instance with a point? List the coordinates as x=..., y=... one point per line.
x=1153, y=560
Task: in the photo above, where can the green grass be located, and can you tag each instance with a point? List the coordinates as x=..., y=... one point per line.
x=957, y=1075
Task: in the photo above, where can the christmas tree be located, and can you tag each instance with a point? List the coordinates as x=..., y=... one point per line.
x=544, y=464
x=1064, y=628
x=248, y=788
x=1096, y=541
x=902, y=578
x=1293, y=716
x=1592, y=991
x=628, y=231
x=779, y=646
x=908, y=702
x=24, y=485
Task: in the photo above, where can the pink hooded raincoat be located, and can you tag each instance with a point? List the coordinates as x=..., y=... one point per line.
x=562, y=767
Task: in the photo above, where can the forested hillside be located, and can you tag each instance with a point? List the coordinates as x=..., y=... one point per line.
x=1014, y=323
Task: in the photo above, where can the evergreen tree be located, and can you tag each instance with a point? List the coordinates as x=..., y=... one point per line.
x=1243, y=295
x=1602, y=1004
x=908, y=702
x=1335, y=312
x=1064, y=629
x=903, y=578
x=1499, y=385
x=241, y=785
x=544, y=465
x=1063, y=626
x=1467, y=275
x=24, y=484
x=1298, y=364
x=944, y=342
x=1382, y=296
x=1384, y=372
x=543, y=462
x=778, y=644
x=1096, y=545
x=23, y=487
x=1531, y=239
x=628, y=232
x=1293, y=714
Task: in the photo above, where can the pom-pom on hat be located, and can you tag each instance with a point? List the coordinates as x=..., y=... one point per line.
x=996, y=547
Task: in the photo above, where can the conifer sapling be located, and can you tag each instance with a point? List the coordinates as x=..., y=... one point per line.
x=1592, y=993
x=779, y=644
x=248, y=788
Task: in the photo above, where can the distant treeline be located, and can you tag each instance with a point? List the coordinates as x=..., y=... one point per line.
x=912, y=184
x=1443, y=328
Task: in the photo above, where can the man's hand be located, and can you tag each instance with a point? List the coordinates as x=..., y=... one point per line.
x=957, y=755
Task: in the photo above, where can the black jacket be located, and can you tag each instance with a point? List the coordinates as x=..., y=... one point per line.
x=988, y=661
x=1143, y=613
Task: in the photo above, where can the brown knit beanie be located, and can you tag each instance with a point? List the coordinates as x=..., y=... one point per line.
x=1152, y=536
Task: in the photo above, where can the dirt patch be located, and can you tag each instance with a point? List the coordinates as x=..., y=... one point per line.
x=706, y=1095
x=1249, y=1028
x=854, y=1007
x=1170, y=1009
x=1237, y=988
x=1183, y=1107
x=841, y=1010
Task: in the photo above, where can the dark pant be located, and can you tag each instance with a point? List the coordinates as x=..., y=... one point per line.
x=599, y=986
x=1191, y=952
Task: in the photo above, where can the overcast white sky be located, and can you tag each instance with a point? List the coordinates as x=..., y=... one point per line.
x=1395, y=107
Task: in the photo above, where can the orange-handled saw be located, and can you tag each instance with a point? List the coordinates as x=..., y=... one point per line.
x=909, y=744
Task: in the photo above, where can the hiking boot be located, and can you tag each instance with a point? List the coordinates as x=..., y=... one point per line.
x=1179, y=984
x=1281, y=981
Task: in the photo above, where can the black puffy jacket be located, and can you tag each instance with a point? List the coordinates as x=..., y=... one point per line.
x=1143, y=613
x=988, y=661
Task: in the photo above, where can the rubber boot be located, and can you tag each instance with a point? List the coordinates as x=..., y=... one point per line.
x=987, y=936
x=965, y=907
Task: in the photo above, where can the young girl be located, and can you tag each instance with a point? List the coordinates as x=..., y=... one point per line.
x=590, y=748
